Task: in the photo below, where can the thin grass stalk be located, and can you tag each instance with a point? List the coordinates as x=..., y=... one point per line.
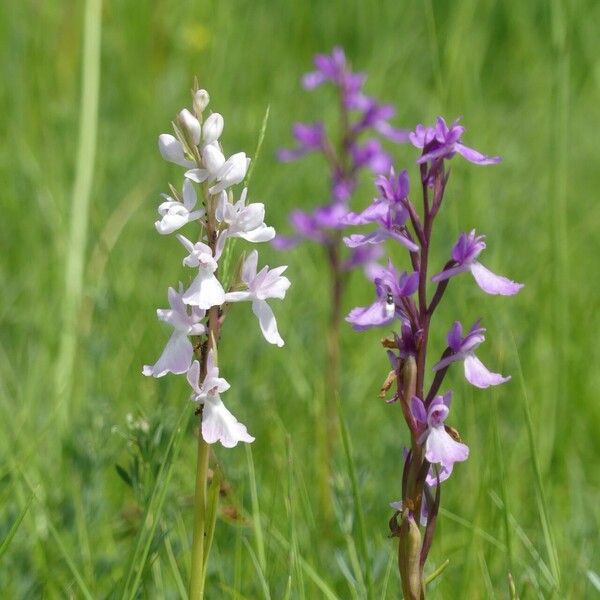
x=79, y=208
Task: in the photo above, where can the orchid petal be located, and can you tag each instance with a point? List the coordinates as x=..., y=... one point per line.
x=478, y=374
x=219, y=425
x=493, y=284
x=476, y=157
x=176, y=357
x=205, y=291
x=268, y=324
x=374, y=315
x=441, y=448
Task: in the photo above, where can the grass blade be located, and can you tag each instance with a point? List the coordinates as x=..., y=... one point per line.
x=256, y=520
x=79, y=209
x=62, y=548
x=327, y=592
x=154, y=509
x=15, y=527
x=362, y=530
x=259, y=143
x=258, y=569
x=539, y=488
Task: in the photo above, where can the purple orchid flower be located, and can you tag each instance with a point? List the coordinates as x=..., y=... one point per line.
x=463, y=348
x=443, y=142
x=464, y=254
x=388, y=211
x=440, y=447
x=376, y=116
x=390, y=287
x=310, y=138
x=372, y=156
x=333, y=68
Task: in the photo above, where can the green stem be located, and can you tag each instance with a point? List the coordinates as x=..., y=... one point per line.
x=198, y=574
x=330, y=416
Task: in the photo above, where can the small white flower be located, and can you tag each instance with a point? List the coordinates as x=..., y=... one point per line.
x=243, y=221
x=176, y=214
x=178, y=352
x=261, y=286
x=218, y=424
x=223, y=173
x=231, y=173
x=206, y=290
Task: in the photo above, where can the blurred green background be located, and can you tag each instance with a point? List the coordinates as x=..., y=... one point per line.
x=525, y=77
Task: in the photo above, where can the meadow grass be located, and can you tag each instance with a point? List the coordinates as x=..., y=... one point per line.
x=96, y=504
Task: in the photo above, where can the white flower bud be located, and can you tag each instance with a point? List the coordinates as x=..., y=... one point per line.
x=190, y=126
x=201, y=100
x=172, y=150
x=212, y=128
x=213, y=158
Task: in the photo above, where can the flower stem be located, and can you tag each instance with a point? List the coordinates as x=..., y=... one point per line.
x=199, y=560
x=332, y=378
x=198, y=574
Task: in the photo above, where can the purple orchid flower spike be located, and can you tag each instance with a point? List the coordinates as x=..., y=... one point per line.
x=435, y=447
x=463, y=348
x=346, y=159
x=443, y=142
x=464, y=254
x=388, y=211
x=440, y=447
x=390, y=288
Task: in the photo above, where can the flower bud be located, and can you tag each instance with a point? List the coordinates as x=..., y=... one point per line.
x=172, y=150
x=212, y=128
x=409, y=553
x=189, y=126
x=201, y=100
x=213, y=158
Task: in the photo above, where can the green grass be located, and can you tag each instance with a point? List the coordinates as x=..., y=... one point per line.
x=525, y=77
